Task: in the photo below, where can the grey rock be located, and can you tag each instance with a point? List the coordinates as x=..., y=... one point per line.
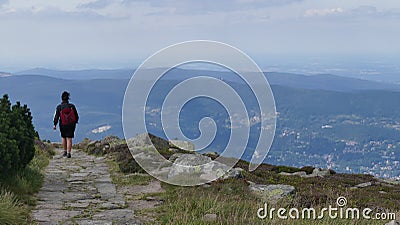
x=109, y=205
x=53, y=215
x=202, y=166
x=185, y=145
x=210, y=217
x=173, y=157
x=121, y=215
x=363, y=185
x=146, y=140
x=189, y=164
x=272, y=193
x=300, y=173
x=389, y=181
x=234, y=173
x=317, y=172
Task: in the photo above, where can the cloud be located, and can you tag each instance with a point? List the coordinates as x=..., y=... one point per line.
x=99, y=4
x=207, y=6
x=323, y=12
x=50, y=13
x=371, y=11
x=364, y=11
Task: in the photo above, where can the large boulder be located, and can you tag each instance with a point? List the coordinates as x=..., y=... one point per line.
x=272, y=193
x=201, y=166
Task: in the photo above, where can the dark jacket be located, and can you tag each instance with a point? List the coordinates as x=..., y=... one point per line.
x=62, y=106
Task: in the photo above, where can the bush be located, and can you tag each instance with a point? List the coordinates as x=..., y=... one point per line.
x=17, y=135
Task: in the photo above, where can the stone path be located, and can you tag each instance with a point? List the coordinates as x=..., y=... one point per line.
x=79, y=190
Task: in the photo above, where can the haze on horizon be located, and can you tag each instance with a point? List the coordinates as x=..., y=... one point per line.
x=78, y=34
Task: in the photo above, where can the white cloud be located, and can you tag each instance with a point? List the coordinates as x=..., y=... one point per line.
x=323, y=12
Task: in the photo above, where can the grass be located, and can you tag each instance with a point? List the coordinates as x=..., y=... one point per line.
x=18, y=189
x=232, y=202
x=11, y=210
x=121, y=179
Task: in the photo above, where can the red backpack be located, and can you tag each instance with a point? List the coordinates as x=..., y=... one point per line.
x=67, y=116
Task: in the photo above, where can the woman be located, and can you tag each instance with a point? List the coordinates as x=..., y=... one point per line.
x=67, y=116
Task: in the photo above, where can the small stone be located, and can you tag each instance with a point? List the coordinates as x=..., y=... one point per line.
x=209, y=217
x=152, y=198
x=109, y=205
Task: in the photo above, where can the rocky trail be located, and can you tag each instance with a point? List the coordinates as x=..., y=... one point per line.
x=79, y=190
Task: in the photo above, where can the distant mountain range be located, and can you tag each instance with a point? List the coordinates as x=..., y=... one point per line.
x=322, y=81
x=99, y=93
x=325, y=117
x=80, y=74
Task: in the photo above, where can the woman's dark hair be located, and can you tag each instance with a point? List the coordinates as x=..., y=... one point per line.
x=65, y=96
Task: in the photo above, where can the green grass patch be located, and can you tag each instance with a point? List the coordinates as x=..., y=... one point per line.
x=18, y=188
x=11, y=210
x=121, y=179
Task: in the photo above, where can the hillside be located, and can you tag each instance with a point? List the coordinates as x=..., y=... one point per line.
x=351, y=130
x=236, y=200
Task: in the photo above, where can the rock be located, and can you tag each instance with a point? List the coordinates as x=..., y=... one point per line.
x=188, y=164
x=317, y=172
x=146, y=140
x=173, y=157
x=210, y=217
x=184, y=145
x=272, y=193
x=201, y=166
x=389, y=181
x=110, y=205
x=234, y=173
x=300, y=173
x=363, y=185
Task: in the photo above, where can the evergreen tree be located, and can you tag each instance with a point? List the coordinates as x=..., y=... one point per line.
x=17, y=135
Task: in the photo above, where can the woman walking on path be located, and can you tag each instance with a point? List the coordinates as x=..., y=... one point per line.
x=67, y=117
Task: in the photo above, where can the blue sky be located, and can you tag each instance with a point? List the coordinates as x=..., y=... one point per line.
x=77, y=34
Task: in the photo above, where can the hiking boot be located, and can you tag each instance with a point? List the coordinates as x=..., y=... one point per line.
x=69, y=155
x=65, y=154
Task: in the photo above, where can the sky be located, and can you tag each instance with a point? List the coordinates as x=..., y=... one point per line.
x=78, y=34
